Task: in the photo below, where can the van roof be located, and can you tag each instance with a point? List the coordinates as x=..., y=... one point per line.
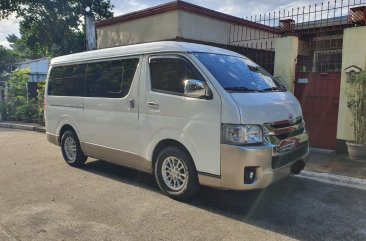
x=136, y=49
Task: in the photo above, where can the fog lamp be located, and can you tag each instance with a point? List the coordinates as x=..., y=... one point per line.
x=249, y=175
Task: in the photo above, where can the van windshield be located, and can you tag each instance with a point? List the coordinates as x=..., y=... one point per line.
x=236, y=74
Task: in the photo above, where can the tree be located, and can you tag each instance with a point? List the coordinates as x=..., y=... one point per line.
x=7, y=57
x=52, y=28
x=20, y=49
x=12, y=39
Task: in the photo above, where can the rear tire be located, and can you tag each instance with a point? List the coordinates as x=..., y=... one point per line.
x=71, y=150
x=176, y=174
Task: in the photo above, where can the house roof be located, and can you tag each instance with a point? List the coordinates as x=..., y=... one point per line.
x=139, y=49
x=30, y=61
x=189, y=7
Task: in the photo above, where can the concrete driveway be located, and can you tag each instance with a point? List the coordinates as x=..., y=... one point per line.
x=41, y=198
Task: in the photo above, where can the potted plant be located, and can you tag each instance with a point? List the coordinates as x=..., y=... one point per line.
x=356, y=94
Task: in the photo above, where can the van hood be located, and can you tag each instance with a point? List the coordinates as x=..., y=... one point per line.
x=266, y=107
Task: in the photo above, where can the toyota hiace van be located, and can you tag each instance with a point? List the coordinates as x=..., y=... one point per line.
x=189, y=114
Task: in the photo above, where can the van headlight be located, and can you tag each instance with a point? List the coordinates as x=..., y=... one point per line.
x=241, y=134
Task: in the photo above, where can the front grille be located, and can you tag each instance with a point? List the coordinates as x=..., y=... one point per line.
x=288, y=139
x=282, y=160
x=286, y=123
x=291, y=134
x=281, y=130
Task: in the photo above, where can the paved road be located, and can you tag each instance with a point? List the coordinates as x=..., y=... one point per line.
x=41, y=198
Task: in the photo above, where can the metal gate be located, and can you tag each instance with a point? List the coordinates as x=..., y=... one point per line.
x=318, y=94
x=317, y=86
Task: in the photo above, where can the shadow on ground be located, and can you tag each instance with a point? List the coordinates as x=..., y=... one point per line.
x=299, y=208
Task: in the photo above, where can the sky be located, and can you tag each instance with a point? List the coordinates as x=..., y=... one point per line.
x=239, y=8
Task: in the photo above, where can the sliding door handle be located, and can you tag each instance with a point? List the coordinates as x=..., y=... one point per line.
x=132, y=104
x=153, y=105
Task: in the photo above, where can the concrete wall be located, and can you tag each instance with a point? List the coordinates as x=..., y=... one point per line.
x=183, y=25
x=285, y=60
x=216, y=31
x=202, y=28
x=354, y=53
x=153, y=28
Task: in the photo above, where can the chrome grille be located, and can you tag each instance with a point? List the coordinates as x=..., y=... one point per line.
x=284, y=135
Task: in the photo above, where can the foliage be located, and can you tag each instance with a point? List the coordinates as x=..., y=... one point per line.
x=20, y=49
x=16, y=94
x=7, y=57
x=26, y=111
x=17, y=105
x=356, y=94
x=52, y=28
x=40, y=98
x=2, y=108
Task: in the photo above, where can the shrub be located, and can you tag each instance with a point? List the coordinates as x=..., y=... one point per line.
x=17, y=105
x=40, y=97
x=356, y=94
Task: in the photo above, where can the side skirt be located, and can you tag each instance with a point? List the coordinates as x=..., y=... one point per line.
x=117, y=156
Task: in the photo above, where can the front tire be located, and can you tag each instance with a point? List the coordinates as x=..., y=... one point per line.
x=176, y=174
x=71, y=150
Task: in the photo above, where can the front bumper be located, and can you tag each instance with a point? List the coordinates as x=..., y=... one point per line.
x=269, y=165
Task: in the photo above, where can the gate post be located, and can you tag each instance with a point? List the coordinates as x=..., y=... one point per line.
x=354, y=54
x=285, y=60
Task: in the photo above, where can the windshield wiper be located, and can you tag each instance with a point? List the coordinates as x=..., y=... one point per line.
x=273, y=89
x=240, y=89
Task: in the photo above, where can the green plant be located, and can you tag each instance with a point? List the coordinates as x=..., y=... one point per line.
x=2, y=109
x=16, y=94
x=17, y=104
x=27, y=111
x=356, y=94
x=40, y=97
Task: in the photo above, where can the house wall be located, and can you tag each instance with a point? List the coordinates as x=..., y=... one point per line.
x=202, y=28
x=181, y=24
x=354, y=53
x=152, y=28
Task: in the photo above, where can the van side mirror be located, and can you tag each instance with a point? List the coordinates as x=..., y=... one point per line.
x=195, y=88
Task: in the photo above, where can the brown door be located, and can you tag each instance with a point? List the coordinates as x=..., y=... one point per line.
x=318, y=94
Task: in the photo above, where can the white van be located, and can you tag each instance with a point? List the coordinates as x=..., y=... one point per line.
x=190, y=114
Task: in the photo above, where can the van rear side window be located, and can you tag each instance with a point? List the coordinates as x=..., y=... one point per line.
x=108, y=79
x=67, y=80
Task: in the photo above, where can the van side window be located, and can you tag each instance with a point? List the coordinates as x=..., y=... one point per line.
x=67, y=80
x=110, y=79
x=168, y=74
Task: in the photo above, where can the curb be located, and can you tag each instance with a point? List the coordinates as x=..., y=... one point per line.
x=23, y=127
x=334, y=179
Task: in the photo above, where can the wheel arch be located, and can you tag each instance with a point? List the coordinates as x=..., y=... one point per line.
x=166, y=143
x=63, y=129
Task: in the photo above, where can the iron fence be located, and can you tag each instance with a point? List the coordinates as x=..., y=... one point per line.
x=329, y=16
x=319, y=28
